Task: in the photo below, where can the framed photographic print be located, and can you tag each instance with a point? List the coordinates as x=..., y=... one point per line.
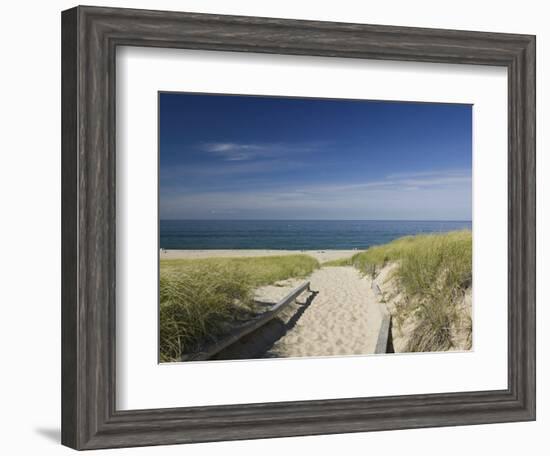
x=269, y=224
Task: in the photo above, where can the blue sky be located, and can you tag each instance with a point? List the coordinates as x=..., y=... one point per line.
x=240, y=157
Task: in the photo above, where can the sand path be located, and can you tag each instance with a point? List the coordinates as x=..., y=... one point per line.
x=343, y=318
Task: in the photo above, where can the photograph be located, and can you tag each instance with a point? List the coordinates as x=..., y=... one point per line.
x=277, y=223
x=312, y=227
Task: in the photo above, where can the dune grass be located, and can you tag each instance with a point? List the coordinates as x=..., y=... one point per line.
x=434, y=271
x=340, y=261
x=201, y=298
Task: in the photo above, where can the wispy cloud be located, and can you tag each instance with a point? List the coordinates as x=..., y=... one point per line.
x=432, y=195
x=231, y=151
x=236, y=151
x=431, y=173
x=231, y=174
x=442, y=178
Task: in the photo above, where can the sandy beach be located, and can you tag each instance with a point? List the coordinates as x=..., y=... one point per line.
x=320, y=255
x=343, y=318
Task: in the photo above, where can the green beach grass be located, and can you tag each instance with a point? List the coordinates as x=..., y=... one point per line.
x=201, y=298
x=434, y=271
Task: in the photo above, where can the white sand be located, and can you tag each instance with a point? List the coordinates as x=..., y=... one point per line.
x=320, y=255
x=343, y=319
x=276, y=292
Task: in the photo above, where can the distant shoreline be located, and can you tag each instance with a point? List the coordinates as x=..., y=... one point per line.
x=319, y=255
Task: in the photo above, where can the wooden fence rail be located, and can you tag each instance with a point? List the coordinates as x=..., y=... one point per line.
x=384, y=343
x=248, y=327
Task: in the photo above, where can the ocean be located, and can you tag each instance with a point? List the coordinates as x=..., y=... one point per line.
x=293, y=234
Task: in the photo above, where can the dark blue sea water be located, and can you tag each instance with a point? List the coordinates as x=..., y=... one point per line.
x=292, y=234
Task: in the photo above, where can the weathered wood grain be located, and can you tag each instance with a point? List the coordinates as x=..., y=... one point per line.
x=384, y=335
x=89, y=40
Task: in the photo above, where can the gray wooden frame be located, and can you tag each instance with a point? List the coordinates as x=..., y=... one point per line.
x=90, y=36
